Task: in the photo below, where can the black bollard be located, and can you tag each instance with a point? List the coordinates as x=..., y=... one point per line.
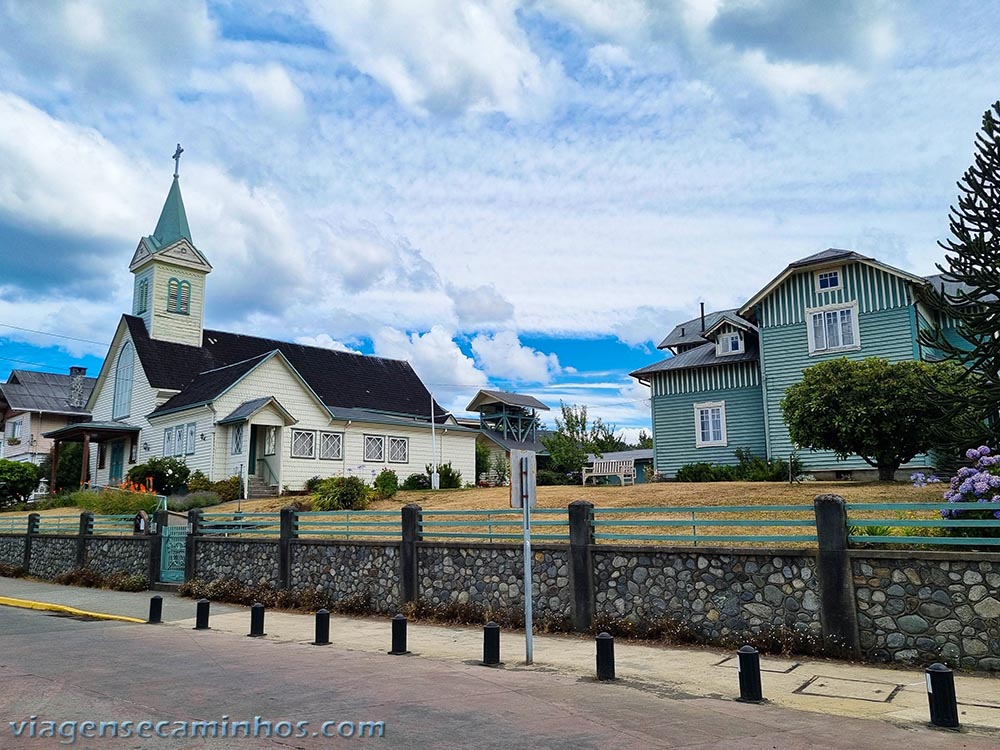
x=749, y=671
x=155, y=610
x=399, y=636
x=256, y=621
x=941, y=696
x=605, y=656
x=201, y=620
x=491, y=645
x=322, y=628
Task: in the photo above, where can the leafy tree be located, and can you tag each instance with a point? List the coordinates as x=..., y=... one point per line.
x=885, y=413
x=575, y=437
x=68, y=471
x=645, y=440
x=17, y=480
x=482, y=459
x=972, y=260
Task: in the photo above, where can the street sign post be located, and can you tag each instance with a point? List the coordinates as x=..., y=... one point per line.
x=523, y=477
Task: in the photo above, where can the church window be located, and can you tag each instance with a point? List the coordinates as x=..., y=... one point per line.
x=179, y=296
x=123, y=383
x=142, y=297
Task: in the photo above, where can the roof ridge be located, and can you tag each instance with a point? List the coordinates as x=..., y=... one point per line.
x=241, y=362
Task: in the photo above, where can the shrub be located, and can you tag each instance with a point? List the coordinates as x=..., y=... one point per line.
x=122, y=581
x=201, y=499
x=704, y=472
x=312, y=483
x=228, y=490
x=386, y=484
x=17, y=480
x=341, y=493
x=85, y=577
x=417, y=482
x=548, y=477
x=482, y=459
x=450, y=478
x=750, y=468
x=114, y=501
x=167, y=474
x=501, y=468
x=978, y=483
x=198, y=482
x=12, y=571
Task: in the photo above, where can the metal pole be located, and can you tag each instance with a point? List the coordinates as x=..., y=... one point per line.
x=435, y=478
x=155, y=610
x=322, y=628
x=526, y=525
x=748, y=659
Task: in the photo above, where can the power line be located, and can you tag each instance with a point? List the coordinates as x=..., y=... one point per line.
x=57, y=335
x=24, y=362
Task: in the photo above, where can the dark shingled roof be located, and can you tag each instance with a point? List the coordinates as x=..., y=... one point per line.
x=26, y=390
x=520, y=445
x=340, y=379
x=689, y=332
x=827, y=256
x=702, y=356
x=247, y=409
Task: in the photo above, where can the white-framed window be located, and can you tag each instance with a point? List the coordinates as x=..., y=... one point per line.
x=192, y=434
x=374, y=448
x=236, y=439
x=270, y=441
x=833, y=328
x=303, y=444
x=14, y=431
x=828, y=280
x=142, y=296
x=331, y=445
x=710, y=424
x=180, y=440
x=168, y=441
x=123, y=383
x=729, y=343
x=399, y=450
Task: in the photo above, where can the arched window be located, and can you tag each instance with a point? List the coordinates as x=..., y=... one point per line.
x=142, y=297
x=179, y=296
x=123, y=383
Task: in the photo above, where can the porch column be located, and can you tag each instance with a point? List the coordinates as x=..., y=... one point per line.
x=86, y=459
x=55, y=465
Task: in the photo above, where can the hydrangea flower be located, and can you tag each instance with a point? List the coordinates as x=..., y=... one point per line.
x=972, y=484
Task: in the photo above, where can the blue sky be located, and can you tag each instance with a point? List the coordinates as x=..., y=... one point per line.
x=519, y=193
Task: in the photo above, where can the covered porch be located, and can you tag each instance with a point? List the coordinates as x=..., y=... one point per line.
x=115, y=441
x=259, y=424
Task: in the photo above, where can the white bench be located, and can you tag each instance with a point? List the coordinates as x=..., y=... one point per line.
x=624, y=469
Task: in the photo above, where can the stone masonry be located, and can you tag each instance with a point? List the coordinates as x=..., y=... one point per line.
x=250, y=563
x=12, y=550
x=912, y=610
x=345, y=571
x=107, y=555
x=718, y=592
x=492, y=576
x=52, y=555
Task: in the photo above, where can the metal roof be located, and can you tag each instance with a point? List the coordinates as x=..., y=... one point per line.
x=521, y=445
x=690, y=331
x=26, y=390
x=639, y=454
x=702, y=356
x=505, y=397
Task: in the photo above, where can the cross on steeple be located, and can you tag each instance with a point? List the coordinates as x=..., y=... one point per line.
x=177, y=159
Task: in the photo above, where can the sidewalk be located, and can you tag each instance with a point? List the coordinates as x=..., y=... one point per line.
x=830, y=687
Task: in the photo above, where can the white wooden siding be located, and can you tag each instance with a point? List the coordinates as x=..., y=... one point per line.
x=171, y=326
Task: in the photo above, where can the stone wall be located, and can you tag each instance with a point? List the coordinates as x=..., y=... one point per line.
x=107, y=555
x=52, y=555
x=12, y=550
x=933, y=608
x=718, y=592
x=348, y=570
x=249, y=562
x=492, y=576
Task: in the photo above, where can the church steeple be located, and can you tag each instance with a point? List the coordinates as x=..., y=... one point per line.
x=170, y=274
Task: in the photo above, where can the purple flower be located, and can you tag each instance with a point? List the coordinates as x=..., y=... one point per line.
x=983, y=450
x=972, y=453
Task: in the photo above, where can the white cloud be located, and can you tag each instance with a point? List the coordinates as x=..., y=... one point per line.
x=503, y=356
x=450, y=375
x=325, y=341
x=439, y=56
x=106, y=46
x=479, y=305
x=269, y=85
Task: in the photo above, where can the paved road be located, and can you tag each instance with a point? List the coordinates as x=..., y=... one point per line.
x=62, y=669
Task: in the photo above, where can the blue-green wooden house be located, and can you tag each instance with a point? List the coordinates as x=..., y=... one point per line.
x=721, y=387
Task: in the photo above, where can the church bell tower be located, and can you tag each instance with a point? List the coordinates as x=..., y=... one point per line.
x=169, y=289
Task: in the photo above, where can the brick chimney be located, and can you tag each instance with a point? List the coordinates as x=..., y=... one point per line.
x=76, y=374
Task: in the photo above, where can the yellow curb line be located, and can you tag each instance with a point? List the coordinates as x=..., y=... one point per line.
x=46, y=606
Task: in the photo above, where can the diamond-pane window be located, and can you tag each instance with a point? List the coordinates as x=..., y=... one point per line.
x=303, y=444
x=331, y=445
x=398, y=450
x=374, y=448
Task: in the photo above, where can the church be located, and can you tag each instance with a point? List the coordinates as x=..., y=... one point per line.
x=273, y=413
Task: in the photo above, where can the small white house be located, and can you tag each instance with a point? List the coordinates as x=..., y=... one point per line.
x=272, y=412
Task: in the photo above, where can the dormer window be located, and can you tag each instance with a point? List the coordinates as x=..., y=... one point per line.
x=827, y=281
x=729, y=343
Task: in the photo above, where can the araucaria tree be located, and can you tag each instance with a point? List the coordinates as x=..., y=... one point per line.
x=968, y=302
x=870, y=408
